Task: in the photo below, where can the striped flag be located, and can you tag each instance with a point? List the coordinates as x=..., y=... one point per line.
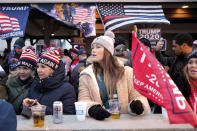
x=5, y=23
x=115, y=16
x=83, y=15
x=15, y=23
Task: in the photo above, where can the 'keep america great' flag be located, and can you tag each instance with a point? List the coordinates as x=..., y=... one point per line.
x=115, y=16
x=152, y=81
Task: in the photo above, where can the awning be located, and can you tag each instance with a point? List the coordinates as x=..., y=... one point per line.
x=88, y=1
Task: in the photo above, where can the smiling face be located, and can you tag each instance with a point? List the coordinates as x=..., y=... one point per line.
x=97, y=53
x=24, y=72
x=43, y=71
x=192, y=68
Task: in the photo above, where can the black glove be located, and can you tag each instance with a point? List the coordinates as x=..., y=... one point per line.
x=136, y=107
x=98, y=113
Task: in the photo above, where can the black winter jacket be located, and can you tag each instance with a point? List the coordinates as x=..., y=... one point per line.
x=75, y=75
x=54, y=88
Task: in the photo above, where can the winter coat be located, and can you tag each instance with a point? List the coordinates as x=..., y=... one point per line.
x=75, y=74
x=89, y=90
x=15, y=87
x=176, y=71
x=3, y=91
x=8, y=121
x=54, y=88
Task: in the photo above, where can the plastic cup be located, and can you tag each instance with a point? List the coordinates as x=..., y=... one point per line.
x=38, y=114
x=114, y=108
x=80, y=108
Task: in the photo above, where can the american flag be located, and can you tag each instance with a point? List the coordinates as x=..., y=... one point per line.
x=15, y=23
x=5, y=23
x=83, y=15
x=115, y=16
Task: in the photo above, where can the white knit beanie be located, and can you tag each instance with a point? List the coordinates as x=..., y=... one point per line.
x=107, y=40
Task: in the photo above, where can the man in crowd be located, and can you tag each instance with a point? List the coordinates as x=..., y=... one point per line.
x=12, y=59
x=182, y=47
x=78, y=68
x=75, y=59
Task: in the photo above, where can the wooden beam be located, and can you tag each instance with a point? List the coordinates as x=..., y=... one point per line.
x=180, y=13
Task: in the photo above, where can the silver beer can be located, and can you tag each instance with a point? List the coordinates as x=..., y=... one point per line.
x=57, y=112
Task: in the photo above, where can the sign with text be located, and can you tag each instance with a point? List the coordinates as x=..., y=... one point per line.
x=77, y=41
x=13, y=19
x=152, y=81
x=153, y=35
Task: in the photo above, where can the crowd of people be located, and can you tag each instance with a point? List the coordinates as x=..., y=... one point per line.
x=70, y=76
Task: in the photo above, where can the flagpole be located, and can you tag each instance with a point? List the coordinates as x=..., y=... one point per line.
x=135, y=30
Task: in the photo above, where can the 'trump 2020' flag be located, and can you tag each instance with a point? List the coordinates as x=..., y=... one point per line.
x=152, y=81
x=115, y=16
x=13, y=20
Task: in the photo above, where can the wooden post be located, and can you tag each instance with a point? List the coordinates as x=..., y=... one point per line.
x=47, y=32
x=135, y=30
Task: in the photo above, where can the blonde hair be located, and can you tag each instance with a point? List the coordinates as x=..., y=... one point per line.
x=186, y=72
x=111, y=70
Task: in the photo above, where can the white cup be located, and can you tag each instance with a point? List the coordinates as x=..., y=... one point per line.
x=80, y=108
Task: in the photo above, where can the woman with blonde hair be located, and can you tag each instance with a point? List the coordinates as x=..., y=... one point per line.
x=101, y=80
x=190, y=71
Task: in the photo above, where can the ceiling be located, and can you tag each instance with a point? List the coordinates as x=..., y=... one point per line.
x=88, y=1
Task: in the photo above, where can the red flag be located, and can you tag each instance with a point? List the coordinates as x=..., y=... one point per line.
x=152, y=81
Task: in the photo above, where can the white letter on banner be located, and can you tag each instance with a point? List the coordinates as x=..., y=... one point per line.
x=176, y=91
x=181, y=102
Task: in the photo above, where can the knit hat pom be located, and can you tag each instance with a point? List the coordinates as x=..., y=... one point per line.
x=28, y=59
x=51, y=59
x=107, y=41
x=110, y=34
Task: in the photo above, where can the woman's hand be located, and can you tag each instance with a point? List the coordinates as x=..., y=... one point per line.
x=30, y=102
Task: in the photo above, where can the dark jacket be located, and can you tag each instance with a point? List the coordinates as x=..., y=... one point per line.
x=54, y=88
x=17, y=87
x=75, y=74
x=8, y=120
x=176, y=71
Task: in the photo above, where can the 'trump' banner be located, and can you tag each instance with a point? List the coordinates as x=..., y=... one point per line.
x=152, y=81
x=83, y=16
x=13, y=20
